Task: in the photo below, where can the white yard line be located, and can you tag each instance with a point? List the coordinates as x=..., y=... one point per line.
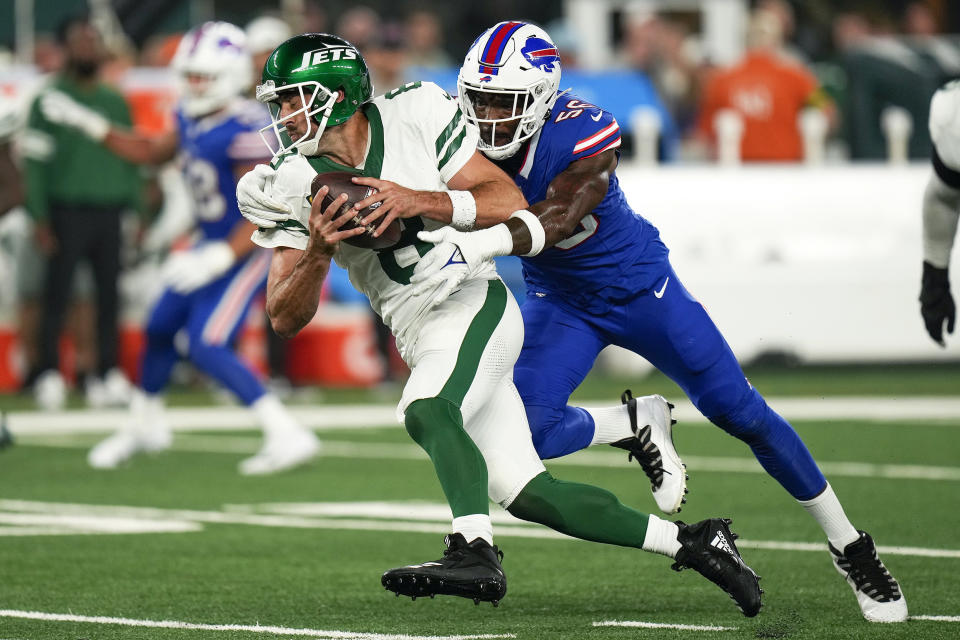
x=940, y=410
x=419, y=517
x=937, y=618
x=589, y=458
x=661, y=625
x=319, y=634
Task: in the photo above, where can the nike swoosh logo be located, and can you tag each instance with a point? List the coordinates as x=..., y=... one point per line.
x=597, y=117
x=659, y=294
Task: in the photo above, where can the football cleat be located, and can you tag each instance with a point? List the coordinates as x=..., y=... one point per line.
x=125, y=444
x=707, y=547
x=280, y=454
x=878, y=592
x=652, y=446
x=50, y=390
x=470, y=571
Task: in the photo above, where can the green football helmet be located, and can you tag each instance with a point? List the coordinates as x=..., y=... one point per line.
x=318, y=66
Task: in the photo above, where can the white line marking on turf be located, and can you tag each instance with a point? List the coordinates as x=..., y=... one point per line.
x=936, y=618
x=417, y=517
x=661, y=625
x=401, y=451
x=174, y=624
x=880, y=409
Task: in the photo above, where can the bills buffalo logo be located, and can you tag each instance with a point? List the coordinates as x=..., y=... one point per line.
x=486, y=78
x=541, y=53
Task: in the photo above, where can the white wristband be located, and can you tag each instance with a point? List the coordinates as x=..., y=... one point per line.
x=537, y=235
x=464, y=210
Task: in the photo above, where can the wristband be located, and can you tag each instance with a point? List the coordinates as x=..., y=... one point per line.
x=464, y=210
x=538, y=236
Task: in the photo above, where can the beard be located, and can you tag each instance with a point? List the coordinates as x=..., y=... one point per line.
x=85, y=69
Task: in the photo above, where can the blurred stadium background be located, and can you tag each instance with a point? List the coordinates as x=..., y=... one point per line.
x=808, y=260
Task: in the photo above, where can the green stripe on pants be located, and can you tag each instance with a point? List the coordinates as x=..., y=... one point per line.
x=474, y=342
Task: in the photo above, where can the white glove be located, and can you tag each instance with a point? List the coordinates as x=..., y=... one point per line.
x=187, y=271
x=476, y=246
x=255, y=205
x=440, y=272
x=59, y=108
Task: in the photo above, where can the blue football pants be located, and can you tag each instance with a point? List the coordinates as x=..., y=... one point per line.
x=676, y=335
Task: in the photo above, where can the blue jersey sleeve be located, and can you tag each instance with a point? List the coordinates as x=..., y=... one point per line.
x=585, y=129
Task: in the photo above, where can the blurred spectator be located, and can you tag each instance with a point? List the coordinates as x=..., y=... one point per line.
x=47, y=54
x=884, y=70
x=918, y=20
x=11, y=187
x=768, y=91
x=158, y=50
x=263, y=36
x=76, y=193
x=359, y=26
x=424, y=35
x=386, y=58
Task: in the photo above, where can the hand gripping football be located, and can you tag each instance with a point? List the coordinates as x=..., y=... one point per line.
x=340, y=182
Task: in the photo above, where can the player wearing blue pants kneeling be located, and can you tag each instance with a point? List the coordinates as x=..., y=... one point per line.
x=597, y=274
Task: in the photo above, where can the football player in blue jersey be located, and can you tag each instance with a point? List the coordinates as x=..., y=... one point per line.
x=209, y=288
x=597, y=274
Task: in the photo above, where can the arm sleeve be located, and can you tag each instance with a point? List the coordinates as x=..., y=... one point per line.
x=38, y=146
x=941, y=210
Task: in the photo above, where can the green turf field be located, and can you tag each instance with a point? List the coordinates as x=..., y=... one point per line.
x=303, y=551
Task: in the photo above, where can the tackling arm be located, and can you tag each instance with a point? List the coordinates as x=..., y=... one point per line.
x=572, y=194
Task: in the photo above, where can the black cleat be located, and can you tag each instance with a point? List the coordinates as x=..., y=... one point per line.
x=467, y=570
x=652, y=446
x=708, y=548
x=878, y=593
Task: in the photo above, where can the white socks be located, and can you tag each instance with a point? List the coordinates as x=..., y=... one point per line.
x=661, y=537
x=612, y=424
x=476, y=525
x=828, y=512
x=276, y=420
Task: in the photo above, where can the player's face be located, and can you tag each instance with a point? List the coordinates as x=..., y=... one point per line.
x=496, y=106
x=292, y=116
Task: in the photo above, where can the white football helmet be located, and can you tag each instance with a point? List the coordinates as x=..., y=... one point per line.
x=511, y=73
x=213, y=65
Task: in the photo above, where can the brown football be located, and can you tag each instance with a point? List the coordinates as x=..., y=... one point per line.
x=340, y=182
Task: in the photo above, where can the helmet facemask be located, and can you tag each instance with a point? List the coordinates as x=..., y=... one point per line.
x=527, y=107
x=316, y=105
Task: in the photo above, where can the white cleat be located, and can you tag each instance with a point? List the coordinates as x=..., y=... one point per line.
x=117, y=389
x=878, y=593
x=50, y=391
x=280, y=454
x=652, y=446
x=125, y=444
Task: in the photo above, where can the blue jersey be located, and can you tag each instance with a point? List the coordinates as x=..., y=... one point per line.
x=210, y=150
x=613, y=253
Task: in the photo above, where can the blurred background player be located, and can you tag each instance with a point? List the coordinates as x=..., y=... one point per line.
x=941, y=208
x=77, y=192
x=598, y=274
x=210, y=287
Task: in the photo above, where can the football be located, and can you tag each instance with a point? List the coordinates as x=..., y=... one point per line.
x=340, y=182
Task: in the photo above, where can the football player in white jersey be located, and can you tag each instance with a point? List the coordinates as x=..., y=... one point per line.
x=941, y=208
x=461, y=341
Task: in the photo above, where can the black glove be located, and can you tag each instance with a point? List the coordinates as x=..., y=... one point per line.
x=936, y=303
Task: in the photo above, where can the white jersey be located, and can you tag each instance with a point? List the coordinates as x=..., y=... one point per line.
x=945, y=125
x=418, y=139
